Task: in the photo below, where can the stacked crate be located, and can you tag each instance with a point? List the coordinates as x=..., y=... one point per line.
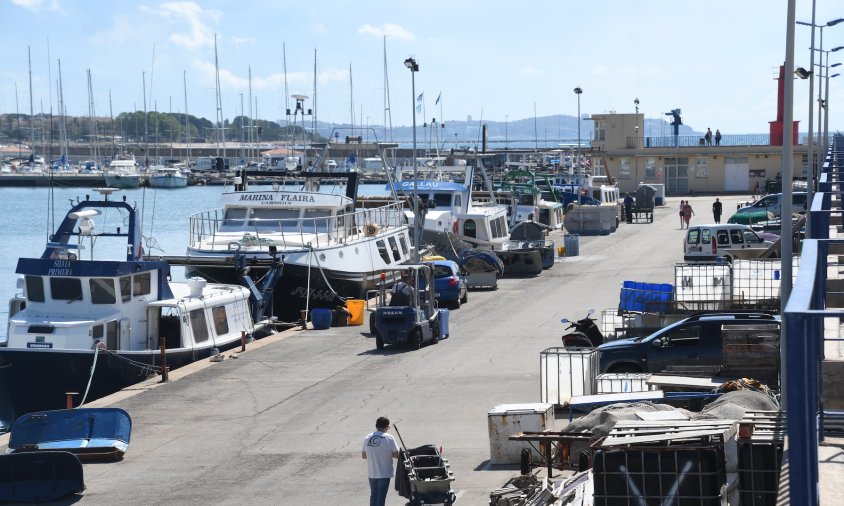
x=760, y=446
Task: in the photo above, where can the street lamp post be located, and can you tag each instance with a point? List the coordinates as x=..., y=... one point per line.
x=300, y=106
x=578, y=91
x=826, y=97
x=506, y=122
x=411, y=64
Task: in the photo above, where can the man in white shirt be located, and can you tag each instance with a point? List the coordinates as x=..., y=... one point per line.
x=379, y=450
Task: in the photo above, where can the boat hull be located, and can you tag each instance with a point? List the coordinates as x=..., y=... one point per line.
x=122, y=181
x=300, y=287
x=167, y=182
x=39, y=380
x=522, y=262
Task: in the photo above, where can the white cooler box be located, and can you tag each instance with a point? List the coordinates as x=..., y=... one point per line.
x=505, y=420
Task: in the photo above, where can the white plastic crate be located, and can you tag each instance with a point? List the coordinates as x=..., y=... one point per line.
x=566, y=372
x=619, y=383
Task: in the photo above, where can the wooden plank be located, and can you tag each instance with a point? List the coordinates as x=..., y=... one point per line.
x=585, y=400
x=661, y=415
x=657, y=438
x=687, y=381
x=674, y=423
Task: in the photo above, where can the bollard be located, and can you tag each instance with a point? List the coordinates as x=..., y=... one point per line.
x=164, y=371
x=242, y=340
x=69, y=399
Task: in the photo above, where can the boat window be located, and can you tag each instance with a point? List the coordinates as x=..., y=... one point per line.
x=141, y=285
x=470, y=228
x=545, y=216
x=198, y=325
x=221, y=321
x=394, y=247
x=35, y=288
x=66, y=288
x=403, y=244
x=458, y=201
x=319, y=220
x=102, y=291
x=97, y=332
x=233, y=218
x=275, y=219
x=382, y=249
x=442, y=199
x=125, y=288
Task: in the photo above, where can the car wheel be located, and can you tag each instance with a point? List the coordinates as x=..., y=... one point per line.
x=416, y=338
x=372, y=323
x=379, y=341
x=455, y=304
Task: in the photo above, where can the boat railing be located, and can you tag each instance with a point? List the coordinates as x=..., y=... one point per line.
x=206, y=228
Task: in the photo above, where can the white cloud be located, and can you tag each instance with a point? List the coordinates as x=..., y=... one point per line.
x=529, y=71
x=600, y=70
x=391, y=30
x=241, y=41
x=38, y=5
x=275, y=81
x=193, y=16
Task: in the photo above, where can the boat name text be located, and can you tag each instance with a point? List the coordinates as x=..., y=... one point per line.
x=59, y=268
x=281, y=199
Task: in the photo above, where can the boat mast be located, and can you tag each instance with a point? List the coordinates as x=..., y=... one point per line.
x=111, y=116
x=187, y=124
x=251, y=122
x=31, y=112
x=351, y=98
x=314, y=116
x=388, y=114
x=146, y=122
x=92, y=114
x=221, y=134
x=286, y=91
x=62, y=125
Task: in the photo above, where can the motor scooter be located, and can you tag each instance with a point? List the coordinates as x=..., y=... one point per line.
x=586, y=333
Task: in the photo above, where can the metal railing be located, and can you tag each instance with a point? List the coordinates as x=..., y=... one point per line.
x=205, y=228
x=688, y=141
x=804, y=335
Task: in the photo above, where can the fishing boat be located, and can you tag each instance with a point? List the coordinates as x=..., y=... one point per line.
x=331, y=249
x=528, y=202
x=166, y=177
x=93, y=312
x=123, y=173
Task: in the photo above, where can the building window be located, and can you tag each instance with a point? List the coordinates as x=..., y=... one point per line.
x=624, y=168
x=701, y=167
x=650, y=168
x=598, y=167
x=600, y=130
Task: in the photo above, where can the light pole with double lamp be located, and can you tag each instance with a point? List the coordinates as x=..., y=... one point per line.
x=411, y=64
x=826, y=95
x=578, y=91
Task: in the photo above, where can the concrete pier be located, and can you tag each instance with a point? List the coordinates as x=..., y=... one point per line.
x=283, y=423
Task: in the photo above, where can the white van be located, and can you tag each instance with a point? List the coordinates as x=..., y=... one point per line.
x=711, y=243
x=773, y=204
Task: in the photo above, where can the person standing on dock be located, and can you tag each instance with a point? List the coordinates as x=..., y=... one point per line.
x=717, y=137
x=379, y=450
x=708, y=137
x=682, y=204
x=717, y=208
x=628, y=207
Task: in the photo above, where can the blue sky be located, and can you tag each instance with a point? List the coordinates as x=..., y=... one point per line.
x=491, y=59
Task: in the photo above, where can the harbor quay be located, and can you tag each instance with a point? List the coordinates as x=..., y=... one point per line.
x=283, y=422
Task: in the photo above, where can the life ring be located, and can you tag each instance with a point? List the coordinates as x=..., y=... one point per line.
x=371, y=229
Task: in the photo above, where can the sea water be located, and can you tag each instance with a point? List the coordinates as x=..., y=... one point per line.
x=29, y=215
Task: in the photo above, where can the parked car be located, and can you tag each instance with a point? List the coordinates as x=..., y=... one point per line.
x=449, y=284
x=711, y=243
x=695, y=341
x=773, y=204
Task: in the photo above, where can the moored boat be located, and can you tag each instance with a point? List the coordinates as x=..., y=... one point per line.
x=123, y=173
x=167, y=177
x=93, y=312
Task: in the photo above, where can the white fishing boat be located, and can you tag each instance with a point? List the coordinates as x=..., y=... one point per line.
x=123, y=173
x=166, y=177
x=92, y=312
x=331, y=249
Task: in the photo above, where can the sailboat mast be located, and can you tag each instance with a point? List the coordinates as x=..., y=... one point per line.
x=187, y=124
x=221, y=135
x=111, y=117
x=62, y=125
x=31, y=112
x=286, y=91
x=146, y=121
x=351, y=97
x=314, y=115
x=251, y=122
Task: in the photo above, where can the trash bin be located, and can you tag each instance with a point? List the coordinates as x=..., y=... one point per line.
x=321, y=318
x=572, y=245
x=443, y=323
x=356, y=307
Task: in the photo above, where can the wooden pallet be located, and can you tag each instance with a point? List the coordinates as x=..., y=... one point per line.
x=670, y=432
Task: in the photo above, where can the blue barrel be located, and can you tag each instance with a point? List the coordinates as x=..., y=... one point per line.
x=659, y=201
x=572, y=243
x=321, y=318
x=443, y=323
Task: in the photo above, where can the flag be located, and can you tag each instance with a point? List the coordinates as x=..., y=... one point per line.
x=419, y=108
x=438, y=98
x=419, y=98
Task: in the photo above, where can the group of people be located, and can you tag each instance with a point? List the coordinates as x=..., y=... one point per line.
x=708, y=137
x=686, y=212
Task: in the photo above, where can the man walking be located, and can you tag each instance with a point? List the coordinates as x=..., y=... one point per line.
x=628, y=207
x=379, y=450
x=716, y=210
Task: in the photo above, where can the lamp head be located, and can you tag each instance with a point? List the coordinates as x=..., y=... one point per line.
x=578, y=91
x=839, y=48
x=802, y=73
x=834, y=22
x=636, y=100
x=411, y=64
x=835, y=65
